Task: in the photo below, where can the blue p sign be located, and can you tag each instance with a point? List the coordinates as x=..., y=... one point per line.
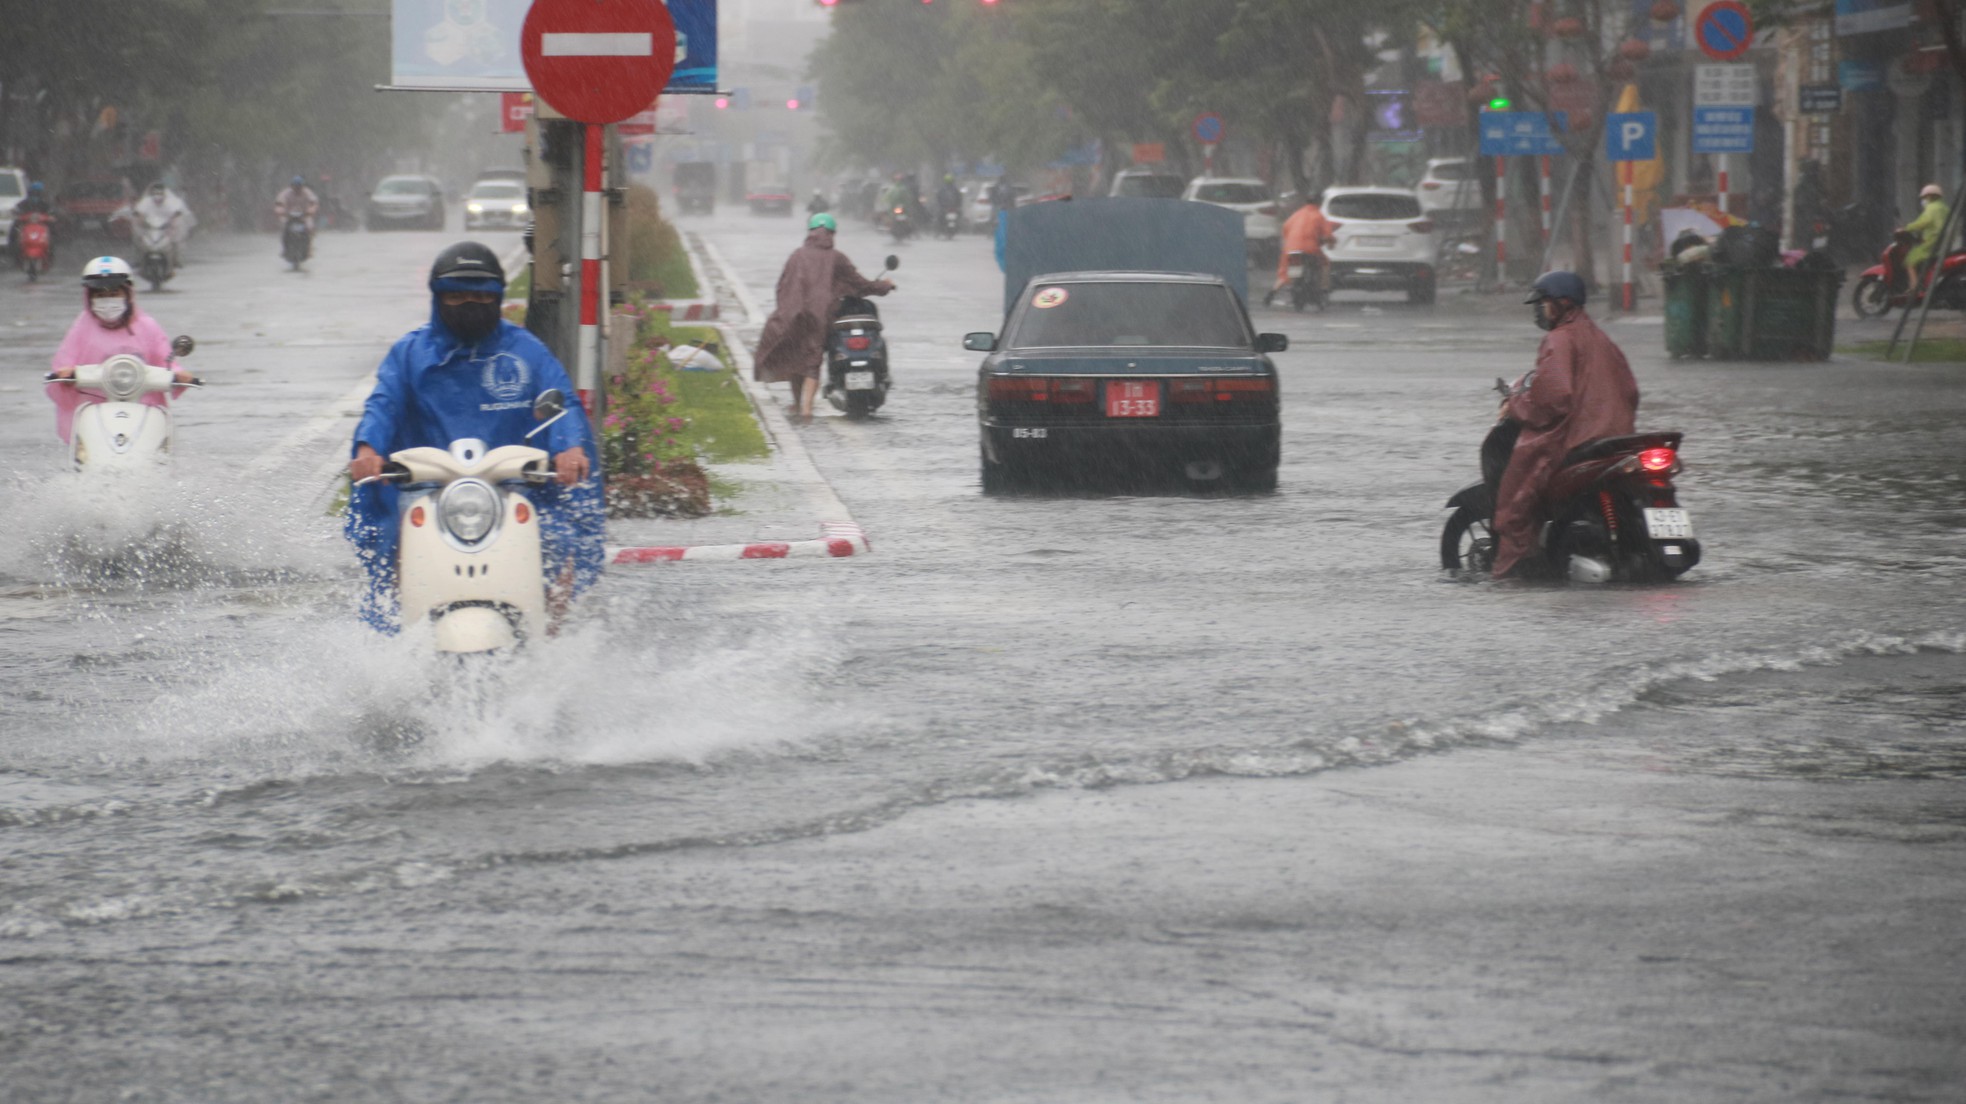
x=1631, y=136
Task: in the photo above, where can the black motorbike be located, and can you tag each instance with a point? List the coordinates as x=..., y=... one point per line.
x=1307, y=281
x=1617, y=517
x=856, y=355
x=296, y=240
x=948, y=223
x=900, y=224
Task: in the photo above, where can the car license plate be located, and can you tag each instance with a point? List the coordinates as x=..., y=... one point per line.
x=1669, y=524
x=1131, y=399
x=1373, y=241
x=860, y=381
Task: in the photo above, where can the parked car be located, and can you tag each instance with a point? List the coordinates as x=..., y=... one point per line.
x=406, y=200
x=91, y=203
x=13, y=189
x=1250, y=198
x=1450, y=191
x=1128, y=372
x=1147, y=184
x=1385, y=242
x=496, y=202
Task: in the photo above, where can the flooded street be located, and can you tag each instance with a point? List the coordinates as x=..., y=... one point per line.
x=1101, y=797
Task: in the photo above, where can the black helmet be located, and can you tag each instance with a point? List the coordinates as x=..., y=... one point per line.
x=1558, y=285
x=467, y=261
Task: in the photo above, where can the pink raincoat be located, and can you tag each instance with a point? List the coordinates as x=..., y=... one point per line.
x=91, y=342
x=1581, y=389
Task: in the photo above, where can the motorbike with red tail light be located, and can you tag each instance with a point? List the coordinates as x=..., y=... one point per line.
x=856, y=355
x=1888, y=284
x=1615, y=513
x=34, y=244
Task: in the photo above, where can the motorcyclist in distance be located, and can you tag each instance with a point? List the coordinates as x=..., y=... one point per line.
x=34, y=203
x=110, y=325
x=297, y=196
x=948, y=197
x=817, y=205
x=1581, y=389
x=159, y=202
x=1929, y=224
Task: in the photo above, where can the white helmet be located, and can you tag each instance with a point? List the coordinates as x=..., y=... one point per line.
x=107, y=272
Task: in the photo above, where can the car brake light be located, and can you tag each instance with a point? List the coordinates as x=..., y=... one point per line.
x=1424, y=226
x=1657, y=459
x=1430, y=185
x=859, y=343
x=1040, y=389
x=1221, y=390
x=1072, y=390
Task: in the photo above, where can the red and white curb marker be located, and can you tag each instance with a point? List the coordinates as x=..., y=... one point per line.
x=837, y=540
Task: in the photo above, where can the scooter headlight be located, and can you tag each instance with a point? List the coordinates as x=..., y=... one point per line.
x=468, y=509
x=122, y=379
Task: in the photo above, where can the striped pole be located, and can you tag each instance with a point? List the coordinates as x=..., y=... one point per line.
x=587, y=376
x=1543, y=194
x=1501, y=219
x=1625, y=170
x=1722, y=174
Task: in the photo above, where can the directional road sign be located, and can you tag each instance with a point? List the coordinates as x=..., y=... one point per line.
x=598, y=62
x=1209, y=128
x=1513, y=133
x=1723, y=130
x=1724, y=30
x=1631, y=136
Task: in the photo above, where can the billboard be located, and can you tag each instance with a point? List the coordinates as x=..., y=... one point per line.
x=474, y=45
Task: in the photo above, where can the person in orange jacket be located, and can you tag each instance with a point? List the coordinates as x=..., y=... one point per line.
x=1306, y=231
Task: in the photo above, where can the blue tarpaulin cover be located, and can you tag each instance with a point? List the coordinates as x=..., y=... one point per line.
x=1124, y=234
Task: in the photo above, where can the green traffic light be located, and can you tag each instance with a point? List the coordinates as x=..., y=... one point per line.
x=1499, y=103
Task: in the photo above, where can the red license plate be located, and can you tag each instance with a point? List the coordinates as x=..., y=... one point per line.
x=1133, y=399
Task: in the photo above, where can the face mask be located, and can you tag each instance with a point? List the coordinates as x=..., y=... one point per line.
x=469, y=321
x=1546, y=316
x=110, y=310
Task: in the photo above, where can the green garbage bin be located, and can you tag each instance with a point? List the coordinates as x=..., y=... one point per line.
x=1771, y=313
x=1686, y=310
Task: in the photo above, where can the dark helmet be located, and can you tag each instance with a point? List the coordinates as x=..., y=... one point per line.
x=467, y=261
x=298, y=181
x=1558, y=285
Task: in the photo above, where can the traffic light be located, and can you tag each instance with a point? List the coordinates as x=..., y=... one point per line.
x=1499, y=103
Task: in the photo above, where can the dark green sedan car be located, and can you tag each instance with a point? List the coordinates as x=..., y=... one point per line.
x=1127, y=373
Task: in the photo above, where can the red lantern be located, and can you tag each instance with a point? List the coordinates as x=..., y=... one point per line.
x=1665, y=11
x=1634, y=49
x=1568, y=27
x=1621, y=70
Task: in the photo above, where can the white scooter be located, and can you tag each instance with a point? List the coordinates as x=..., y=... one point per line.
x=118, y=432
x=469, y=559
x=156, y=251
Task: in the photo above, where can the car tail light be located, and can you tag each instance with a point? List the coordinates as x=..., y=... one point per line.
x=1657, y=459
x=1430, y=185
x=1041, y=389
x=859, y=343
x=1424, y=226
x=1243, y=388
x=1072, y=390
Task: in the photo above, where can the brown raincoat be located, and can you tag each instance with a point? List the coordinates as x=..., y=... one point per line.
x=1581, y=389
x=815, y=279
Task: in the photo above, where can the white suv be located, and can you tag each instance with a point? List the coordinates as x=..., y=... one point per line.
x=1385, y=242
x=1250, y=198
x=13, y=189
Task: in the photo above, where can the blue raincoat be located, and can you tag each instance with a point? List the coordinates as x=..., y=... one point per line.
x=433, y=389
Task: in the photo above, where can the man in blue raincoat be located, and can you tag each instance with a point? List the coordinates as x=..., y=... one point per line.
x=470, y=373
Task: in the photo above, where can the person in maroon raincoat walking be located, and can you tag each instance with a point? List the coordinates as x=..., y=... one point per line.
x=815, y=279
x=1581, y=389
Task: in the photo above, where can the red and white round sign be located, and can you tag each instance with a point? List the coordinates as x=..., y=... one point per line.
x=598, y=61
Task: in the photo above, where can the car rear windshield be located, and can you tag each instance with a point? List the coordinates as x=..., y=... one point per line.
x=1231, y=193
x=1151, y=187
x=93, y=189
x=1450, y=170
x=1373, y=206
x=9, y=186
x=401, y=185
x=499, y=189
x=1143, y=314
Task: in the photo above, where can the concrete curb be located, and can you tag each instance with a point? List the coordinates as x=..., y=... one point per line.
x=836, y=541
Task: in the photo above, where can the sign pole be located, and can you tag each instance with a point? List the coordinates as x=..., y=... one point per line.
x=1721, y=176
x=588, y=374
x=1501, y=220
x=1543, y=194
x=1625, y=171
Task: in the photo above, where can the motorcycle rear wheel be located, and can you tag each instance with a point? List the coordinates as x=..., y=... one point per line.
x=1467, y=544
x=860, y=404
x=1870, y=298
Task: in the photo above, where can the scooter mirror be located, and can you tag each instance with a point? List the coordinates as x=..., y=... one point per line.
x=181, y=345
x=893, y=262
x=549, y=405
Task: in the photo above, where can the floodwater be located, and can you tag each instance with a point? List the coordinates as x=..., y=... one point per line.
x=198, y=743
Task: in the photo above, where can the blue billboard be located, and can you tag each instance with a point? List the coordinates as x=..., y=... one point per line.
x=1515, y=133
x=473, y=45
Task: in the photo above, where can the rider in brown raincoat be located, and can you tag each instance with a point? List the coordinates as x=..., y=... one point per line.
x=1581, y=389
x=815, y=279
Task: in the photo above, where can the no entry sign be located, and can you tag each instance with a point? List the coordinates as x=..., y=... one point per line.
x=598, y=61
x=1724, y=30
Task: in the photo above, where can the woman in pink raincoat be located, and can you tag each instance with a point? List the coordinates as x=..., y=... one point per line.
x=110, y=325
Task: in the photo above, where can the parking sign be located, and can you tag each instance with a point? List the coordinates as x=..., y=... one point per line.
x=1631, y=136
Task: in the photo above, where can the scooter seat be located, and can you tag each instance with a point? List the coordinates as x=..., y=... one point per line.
x=856, y=322
x=1612, y=446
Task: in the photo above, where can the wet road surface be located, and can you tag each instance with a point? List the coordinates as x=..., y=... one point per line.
x=885, y=829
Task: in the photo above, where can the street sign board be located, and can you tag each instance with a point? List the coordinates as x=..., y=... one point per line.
x=1518, y=133
x=1724, y=85
x=1631, y=136
x=1819, y=99
x=1723, y=130
x=598, y=63
x=514, y=108
x=1209, y=128
x=1724, y=30
x=474, y=44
